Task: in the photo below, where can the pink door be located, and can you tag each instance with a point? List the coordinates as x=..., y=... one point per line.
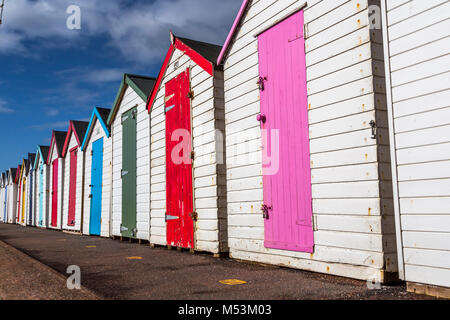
x=284, y=119
x=72, y=186
x=54, y=222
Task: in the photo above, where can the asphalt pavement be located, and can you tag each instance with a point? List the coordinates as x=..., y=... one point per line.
x=112, y=269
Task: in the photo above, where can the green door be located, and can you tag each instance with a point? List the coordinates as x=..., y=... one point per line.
x=129, y=173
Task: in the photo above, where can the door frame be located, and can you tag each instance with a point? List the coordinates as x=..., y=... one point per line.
x=125, y=230
x=194, y=227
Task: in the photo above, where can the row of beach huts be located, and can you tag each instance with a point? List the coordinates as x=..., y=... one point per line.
x=316, y=138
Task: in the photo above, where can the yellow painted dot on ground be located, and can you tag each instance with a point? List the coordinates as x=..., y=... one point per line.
x=134, y=258
x=91, y=247
x=232, y=282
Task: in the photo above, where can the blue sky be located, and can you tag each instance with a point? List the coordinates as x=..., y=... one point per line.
x=50, y=74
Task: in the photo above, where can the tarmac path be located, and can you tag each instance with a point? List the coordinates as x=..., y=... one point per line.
x=122, y=270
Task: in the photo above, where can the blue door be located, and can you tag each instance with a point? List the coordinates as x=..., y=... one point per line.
x=96, y=188
x=41, y=195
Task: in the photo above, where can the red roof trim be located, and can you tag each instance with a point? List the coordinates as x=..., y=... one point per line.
x=52, y=145
x=159, y=79
x=69, y=133
x=195, y=56
x=232, y=32
x=201, y=61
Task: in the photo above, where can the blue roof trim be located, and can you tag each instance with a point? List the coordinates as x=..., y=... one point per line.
x=95, y=115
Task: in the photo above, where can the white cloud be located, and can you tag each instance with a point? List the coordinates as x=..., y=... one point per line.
x=3, y=108
x=138, y=30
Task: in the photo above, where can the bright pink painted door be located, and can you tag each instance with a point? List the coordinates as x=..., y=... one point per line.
x=284, y=120
x=72, y=186
x=55, y=194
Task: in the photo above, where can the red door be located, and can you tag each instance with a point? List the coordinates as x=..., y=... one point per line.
x=179, y=188
x=72, y=186
x=286, y=154
x=55, y=194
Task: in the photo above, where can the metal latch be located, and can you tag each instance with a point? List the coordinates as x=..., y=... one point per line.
x=265, y=209
x=123, y=173
x=194, y=216
x=373, y=125
x=171, y=218
x=260, y=83
x=192, y=155
x=122, y=228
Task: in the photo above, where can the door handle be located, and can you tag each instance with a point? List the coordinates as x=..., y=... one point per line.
x=261, y=118
x=260, y=83
x=265, y=209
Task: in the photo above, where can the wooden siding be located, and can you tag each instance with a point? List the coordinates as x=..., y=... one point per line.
x=97, y=133
x=209, y=173
x=419, y=42
x=130, y=100
x=351, y=180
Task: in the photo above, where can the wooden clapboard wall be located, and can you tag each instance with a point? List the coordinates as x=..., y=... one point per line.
x=351, y=181
x=419, y=42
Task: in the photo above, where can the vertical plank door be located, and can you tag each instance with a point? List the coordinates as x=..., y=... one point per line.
x=179, y=186
x=284, y=112
x=55, y=193
x=129, y=174
x=72, y=186
x=41, y=195
x=96, y=188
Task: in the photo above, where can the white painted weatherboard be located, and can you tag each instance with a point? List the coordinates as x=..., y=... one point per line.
x=130, y=100
x=209, y=174
x=419, y=52
x=351, y=188
x=97, y=133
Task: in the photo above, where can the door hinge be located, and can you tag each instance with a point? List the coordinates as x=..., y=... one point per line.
x=373, y=125
x=194, y=216
x=191, y=94
x=265, y=209
x=92, y=153
x=192, y=155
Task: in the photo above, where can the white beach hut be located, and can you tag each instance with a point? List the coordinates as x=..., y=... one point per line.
x=96, y=146
x=417, y=47
x=73, y=159
x=188, y=181
x=308, y=174
x=56, y=183
x=129, y=121
x=11, y=202
x=42, y=171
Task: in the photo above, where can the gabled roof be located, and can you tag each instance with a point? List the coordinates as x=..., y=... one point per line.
x=2, y=179
x=203, y=54
x=12, y=174
x=78, y=128
x=41, y=152
x=232, y=32
x=101, y=115
x=58, y=139
x=142, y=85
x=31, y=158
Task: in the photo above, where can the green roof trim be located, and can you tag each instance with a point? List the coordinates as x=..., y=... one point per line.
x=127, y=81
